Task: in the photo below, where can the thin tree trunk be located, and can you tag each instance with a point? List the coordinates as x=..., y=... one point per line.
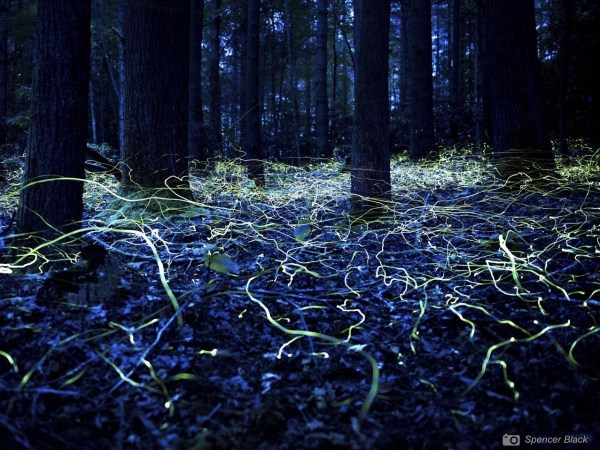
x=565, y=56
x=292, y=81
x=418, y=27
x=404, y=63
x=306, y=145
x=197, y=144
x=252, y=144
x=275, y=120
x=478, y=106
x=334, y=71
x=243, y=71
x=323, y=149
x=122, y=81
x=92, y=113
x=3, y=68
x=455, y=82
x=214, y=79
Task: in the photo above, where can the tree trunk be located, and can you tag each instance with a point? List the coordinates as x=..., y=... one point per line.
x=565, y=56
x=121, y=93
x=418, y=29
x=404, y=66
x=455, y=79
x=196, y=140
x=59, y=120
x=243, y=69
x=370, y=174
x=156, y=37
x=478, y=97
x=252, y=143
x=293, y=85
x=306, y=144
x=511, y=81
x=323, y=149
x=214, y=79
x=3, y=68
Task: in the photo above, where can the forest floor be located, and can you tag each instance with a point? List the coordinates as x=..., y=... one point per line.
x=259, y=319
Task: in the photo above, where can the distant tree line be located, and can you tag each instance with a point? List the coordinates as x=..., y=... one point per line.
x=170, y=81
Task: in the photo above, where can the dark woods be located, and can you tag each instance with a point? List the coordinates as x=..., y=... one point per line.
x=298, y=223
x=173, y=82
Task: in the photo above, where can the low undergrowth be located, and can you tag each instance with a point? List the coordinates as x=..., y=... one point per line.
x=270, y=318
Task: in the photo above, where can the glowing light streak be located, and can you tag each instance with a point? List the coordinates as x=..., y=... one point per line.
x=512, y=340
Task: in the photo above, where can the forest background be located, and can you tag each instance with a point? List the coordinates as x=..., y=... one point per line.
x=298, y=224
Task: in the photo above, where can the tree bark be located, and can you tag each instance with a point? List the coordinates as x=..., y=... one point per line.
x=122, y=79
x=4, y=4
x=197, y=142
x=214, y=79
x=293, y=85
x=511, y=80
x=565, y=56
x=243, y=70
x=252, y=144
x=455, y=78
x=418, y=29
x=323, y=148
x=156, y=39
x=370, y=173
x=59, y=120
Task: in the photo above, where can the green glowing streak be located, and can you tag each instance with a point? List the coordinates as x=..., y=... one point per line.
x=372, y=394
x=280, y=352
x=169, y=403
x=356, y=325
x=508, y=382
x=571, y=358
x=512, y=340
x=415, y=332
x=74, y=378
x=10, y=360
x=119, y=371
x=467, y=321
x=489, y=314
x=159, y=263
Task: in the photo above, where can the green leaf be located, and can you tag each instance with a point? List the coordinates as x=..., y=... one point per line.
x=220, y=262
x=302, y=232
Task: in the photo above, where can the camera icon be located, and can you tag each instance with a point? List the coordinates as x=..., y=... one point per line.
x=511, y=440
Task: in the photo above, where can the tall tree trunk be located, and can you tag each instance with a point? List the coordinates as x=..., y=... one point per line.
x=59, y=120
x=511, y=80
x=306, y=145
x=274, y=101
x=418, y=29
x=565, y=56
x=404, y=66
x=197, y=142
x=122, y=79
x=156, y=36
x=478, y=95
x=3, y=68
x=289, y=26
x=455, y=80
x=252, y=143
x=214, y=79
x=92, y=113
x=323, y=149
x=370, y=173
x=243, y=69
x=108, y=129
